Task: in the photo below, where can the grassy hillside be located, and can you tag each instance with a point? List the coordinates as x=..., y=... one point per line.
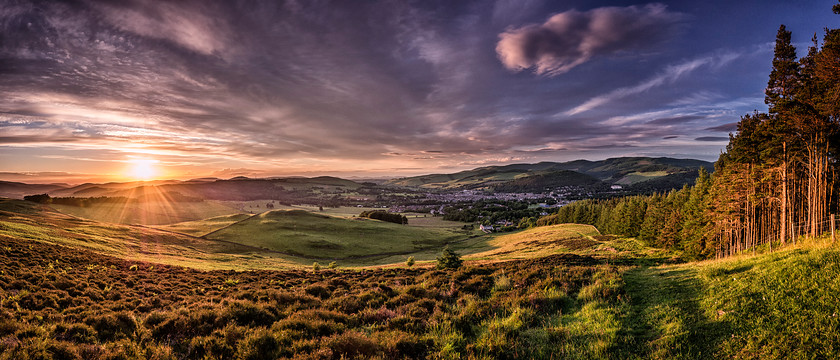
x=205, y=226
x=154, y=212
x=624, y=171
x=311, y=235
x=32, y=222
x=538, y=182
x=559, y=291
x=564, y=239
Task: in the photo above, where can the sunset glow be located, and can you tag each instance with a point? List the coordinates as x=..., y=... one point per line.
x=143, y=169
x=375, y=89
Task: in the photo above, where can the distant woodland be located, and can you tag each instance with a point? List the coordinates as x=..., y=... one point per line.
x=775, y=182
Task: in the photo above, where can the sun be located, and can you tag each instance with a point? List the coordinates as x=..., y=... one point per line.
x=143, y=169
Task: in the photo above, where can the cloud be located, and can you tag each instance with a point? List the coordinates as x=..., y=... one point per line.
x=669, y=75
x=727, y=128
x=571, y=38
x=712, y=138
x=675, y=120
x=193, y=26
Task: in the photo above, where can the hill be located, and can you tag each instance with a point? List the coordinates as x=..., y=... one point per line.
x=619, y=171
x=275, y=239
x=151, y=211
x=18, y=190
x=60, y=297
x=317, y=236
x=240, y=188
x=32, y=222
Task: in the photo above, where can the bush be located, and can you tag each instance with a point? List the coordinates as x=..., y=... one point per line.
x=448, y=259
x=261, y=344
x=410, y=261
x=316, y=266
x=352, y=345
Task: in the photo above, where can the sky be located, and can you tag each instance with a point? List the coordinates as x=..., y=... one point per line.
x=120, y=90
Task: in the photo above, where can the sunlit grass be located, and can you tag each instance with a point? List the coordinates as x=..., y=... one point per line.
x=315, y=235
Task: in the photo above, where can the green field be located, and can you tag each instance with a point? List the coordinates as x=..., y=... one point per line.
x=206, y=226
x=318, y=236
x=33, y=222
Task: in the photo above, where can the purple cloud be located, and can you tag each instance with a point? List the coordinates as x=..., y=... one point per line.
x=571, y=38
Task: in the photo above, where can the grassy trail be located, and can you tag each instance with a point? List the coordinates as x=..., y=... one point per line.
x=664, y=317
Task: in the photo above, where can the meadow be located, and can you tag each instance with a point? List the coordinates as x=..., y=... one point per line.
x=73, y=288
x=317, y=236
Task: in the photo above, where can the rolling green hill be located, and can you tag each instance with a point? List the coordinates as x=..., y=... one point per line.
x=316, y=236
x=33, y=222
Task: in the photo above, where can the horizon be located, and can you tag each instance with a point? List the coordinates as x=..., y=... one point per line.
x=101, y=91
x=28, y=178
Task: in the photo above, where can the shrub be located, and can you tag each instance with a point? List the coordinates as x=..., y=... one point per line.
x=410, y=261
x=113, y=326
x=78, y=333
x=352, y=345
x=332, y=265
x=448, y=259
x=320, y=291
x=249, y=314
x=316, y=266
x=501, y=283
x=260, y=344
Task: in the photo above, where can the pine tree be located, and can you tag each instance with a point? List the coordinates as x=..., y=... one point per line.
x=448, y=259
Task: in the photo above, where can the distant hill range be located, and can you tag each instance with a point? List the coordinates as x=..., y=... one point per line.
x=638, y=173
x=239, y=188
x=634, y=174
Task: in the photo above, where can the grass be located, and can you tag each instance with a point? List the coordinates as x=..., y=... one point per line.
x=561, y=291
x=58, y=302
x=636, y=177
x=318, y=236
x=149, y=212
x=779, y=306
x=538, y=241
x=561, y=239
x=203, y=227
x=33, y=222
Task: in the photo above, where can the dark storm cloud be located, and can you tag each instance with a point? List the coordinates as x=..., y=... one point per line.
x=571, y=38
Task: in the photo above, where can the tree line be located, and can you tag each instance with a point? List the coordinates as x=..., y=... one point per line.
x=385, y=216
x=774, y=183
